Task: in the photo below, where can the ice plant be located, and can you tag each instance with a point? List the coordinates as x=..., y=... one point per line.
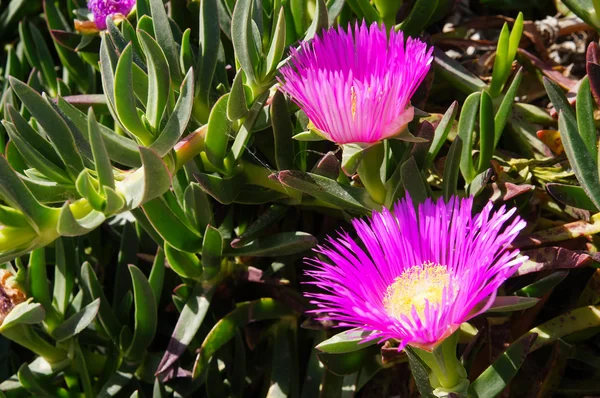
x=417, y=275
x=355, y=85
x=104, y=8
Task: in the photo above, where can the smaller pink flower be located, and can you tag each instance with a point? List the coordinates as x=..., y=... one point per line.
x=355, y=86
x=104, y=8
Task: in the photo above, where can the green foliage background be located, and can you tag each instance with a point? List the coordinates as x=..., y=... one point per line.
x=158, y=195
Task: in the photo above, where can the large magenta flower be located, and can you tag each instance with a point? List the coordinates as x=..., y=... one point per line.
x=416, y=276
x=103, y=8
x=355, y=86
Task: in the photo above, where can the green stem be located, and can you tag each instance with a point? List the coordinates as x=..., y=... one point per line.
x=447, y=373
x=26, y=337
x=369, y=171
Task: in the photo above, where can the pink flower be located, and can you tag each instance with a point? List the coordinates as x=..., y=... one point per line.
x=103, y=8
x=355, y=86
x=416, y=276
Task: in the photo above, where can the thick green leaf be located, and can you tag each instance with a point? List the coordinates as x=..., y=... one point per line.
x=495, y=378
x=224, y=190
x=146, y=316
x=582, y=162
x=171, y=227
x=243, y=42
x=32, y=137
x=308, y=136
x=282, y=132
x=585, y=118
x=38, y=279
x=419, y=17
x=164, y=37
x=515, y=38
x=209, y=48
x=284, y=243
x=46, y=63
x=237, y=106
x=150, y=181
x=540, y=287
x=559, y=99
x=70, y=225
x=212, y=250
x=159, y=80
x=327, y=190
x=441, y=134
x=577, y=320
x=501, y=62
x=93, y=290
x=486, y=132
x=192, y=316
x=265, y=220
x=218, y=132
x=571, y=195
x=243, y=135
x=451, y=169
x=31, y=383
x=102, y=163
x=108, y=63
x=412, y=179
x=466, y=124
x=512, y=303
x=64, y=274
x=456, y=74
x=348, y=341
x=120, y=149
x=178, y=120
x=14, y=192
x=24, y=313
x=185, y=264
x=226, y=328
x=197, y=207
x=284, y=363
x=56, y=128
x=278, y=43
x=157, y=275
x=320, y=21
x=505, y=109
x=125, y=105
x=35, y=159
x=420, y=373
x=78, y=322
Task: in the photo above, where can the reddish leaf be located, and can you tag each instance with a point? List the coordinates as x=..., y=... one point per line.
x=547, y=70
x=548, y=258
x=503, y=191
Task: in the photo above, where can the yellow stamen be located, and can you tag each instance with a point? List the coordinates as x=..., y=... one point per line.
x=353, y=99
x=416, y=285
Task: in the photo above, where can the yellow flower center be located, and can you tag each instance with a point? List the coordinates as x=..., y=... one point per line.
x=416, y=285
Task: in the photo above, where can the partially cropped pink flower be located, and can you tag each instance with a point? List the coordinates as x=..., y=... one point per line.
x=415, y=276
x=355, y=86
x=103, y=8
